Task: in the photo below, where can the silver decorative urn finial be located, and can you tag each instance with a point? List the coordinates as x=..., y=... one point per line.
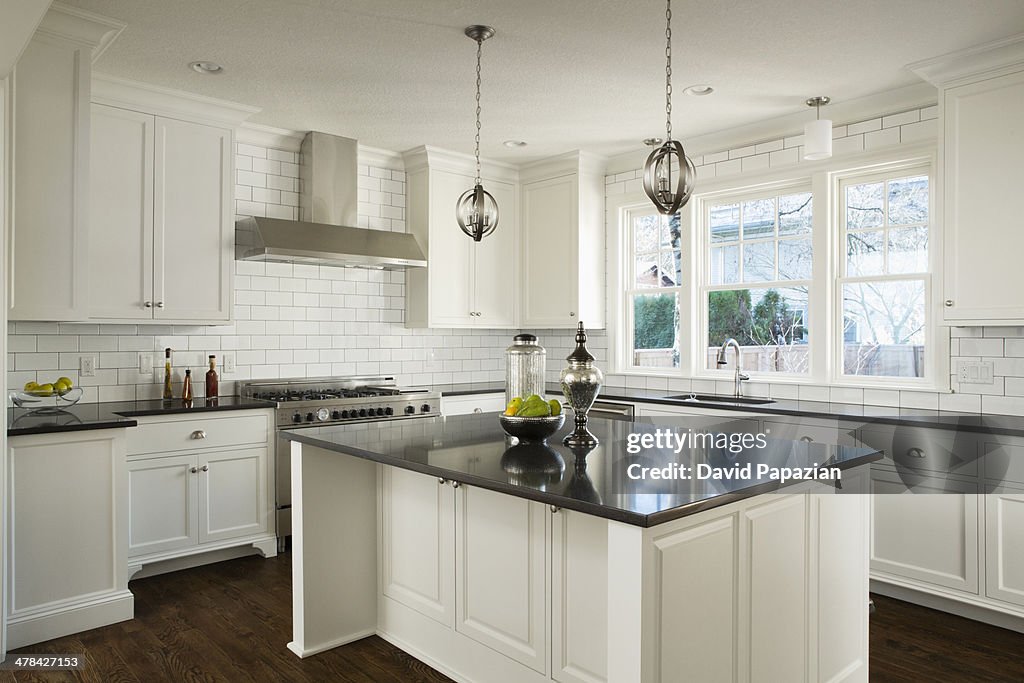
x=581, y=381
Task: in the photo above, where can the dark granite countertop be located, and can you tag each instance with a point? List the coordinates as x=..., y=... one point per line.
x=473, y=449
x=1012, y=425
x=108, y=415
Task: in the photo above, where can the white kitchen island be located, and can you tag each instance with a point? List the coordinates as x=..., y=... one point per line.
x=492, y=564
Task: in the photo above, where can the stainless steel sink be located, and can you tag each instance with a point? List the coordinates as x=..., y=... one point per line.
x=716, y=398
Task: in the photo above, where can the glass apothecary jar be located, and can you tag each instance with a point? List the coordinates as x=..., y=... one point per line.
x=524, y=367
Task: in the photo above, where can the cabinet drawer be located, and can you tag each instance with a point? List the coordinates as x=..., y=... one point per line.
x=1004, y=462
x=817, y=432
x=926, y=450
x=184, y=434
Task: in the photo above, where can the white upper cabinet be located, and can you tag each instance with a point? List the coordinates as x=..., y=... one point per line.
x=563, y=257
x=465, y=283
x=162, y=244
x=981, y=105
x=47, y=266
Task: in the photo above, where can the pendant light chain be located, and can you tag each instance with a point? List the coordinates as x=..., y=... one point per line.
x=479, y=53
x=668, y=70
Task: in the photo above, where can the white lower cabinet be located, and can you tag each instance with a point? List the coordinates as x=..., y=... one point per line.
x=473, y=403
x=501, y=571
x=471, y=559
x=197, y=497
x=1004, y=545
x=67, y=526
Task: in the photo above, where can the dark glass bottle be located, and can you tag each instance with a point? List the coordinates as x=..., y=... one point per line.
x=211, y=379
x=186, y=391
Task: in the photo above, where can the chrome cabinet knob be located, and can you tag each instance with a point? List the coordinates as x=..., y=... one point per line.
x=148, y=304
x=455, y=484
x=806, y=439
x=159, y=304
x=572, y=314
x=205, y=468
x=555, y=509
x=193, y=470
x=198, y=434
x=949, y=303
x=442, y=481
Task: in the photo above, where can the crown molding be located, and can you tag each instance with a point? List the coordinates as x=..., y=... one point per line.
x=121, y=92
x=87, y=29
x=980, y=60
x=381, y=158
x=268, y=136
x=840, y=113
x=576, y=161
x=427, y=156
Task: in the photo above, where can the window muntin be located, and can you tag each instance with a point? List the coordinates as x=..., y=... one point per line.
x=883, y=287
x=760, y=261
x=653, y=288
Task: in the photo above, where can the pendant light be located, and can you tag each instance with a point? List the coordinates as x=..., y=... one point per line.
x=476, y=210
x=818, y=133
x=667, y=195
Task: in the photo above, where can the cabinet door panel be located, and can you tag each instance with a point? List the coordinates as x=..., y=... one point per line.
x=983, y=281
x=550, y=233
x=450, y=251
x=1004, y=529
x=121, y=214
x=232, y=494
x=501, y=572
x=926, y=532
x=193, y=234
x=47, y=241
x=161, y=504
x=418, y=552
x=495, y=285
x=579, y=598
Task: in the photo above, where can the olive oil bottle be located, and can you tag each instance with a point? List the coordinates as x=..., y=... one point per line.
x=186, y=391
x=168, y=392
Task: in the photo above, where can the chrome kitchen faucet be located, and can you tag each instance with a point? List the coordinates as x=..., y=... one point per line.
x=739, y=376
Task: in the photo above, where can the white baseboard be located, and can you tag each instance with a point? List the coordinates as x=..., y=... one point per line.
x=961, y=607
x=162, y=563
x=304, y=652
x=71, y=618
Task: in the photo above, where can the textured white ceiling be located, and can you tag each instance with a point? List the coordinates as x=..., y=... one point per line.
x=559, y=74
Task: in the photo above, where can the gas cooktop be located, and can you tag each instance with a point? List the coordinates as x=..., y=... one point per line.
x=328, y=400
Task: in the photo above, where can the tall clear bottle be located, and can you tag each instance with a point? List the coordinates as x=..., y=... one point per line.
x=168, y=391
x=524, y=367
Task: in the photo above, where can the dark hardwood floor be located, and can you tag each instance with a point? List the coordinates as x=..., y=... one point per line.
x=230, y=622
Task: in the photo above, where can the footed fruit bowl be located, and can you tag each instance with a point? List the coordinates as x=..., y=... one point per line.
x=531, y=429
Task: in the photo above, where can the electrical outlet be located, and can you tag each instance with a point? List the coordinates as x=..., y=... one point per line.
x=145, y=363
x=229, y=363
x=87, y=366
x=975, y=372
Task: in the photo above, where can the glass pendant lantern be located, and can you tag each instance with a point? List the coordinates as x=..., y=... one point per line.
x=476, y=211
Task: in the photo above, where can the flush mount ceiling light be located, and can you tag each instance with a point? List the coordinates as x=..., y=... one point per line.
x=668, y=196
x=818, y=133
x=476, y=211
x=699, y=90
x=514, y=143
x=206, y=68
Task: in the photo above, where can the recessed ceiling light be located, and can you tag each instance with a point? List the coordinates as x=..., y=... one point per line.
x=514, y=143
x=699, y=90
x=206, y=68
x=652, y=142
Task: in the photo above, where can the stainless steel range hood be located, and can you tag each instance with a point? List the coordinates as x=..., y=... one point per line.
x=328, y=201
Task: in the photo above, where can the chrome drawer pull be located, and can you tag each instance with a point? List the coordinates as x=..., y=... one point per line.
x=806, y=439
x=915, y=453
x=198, y=434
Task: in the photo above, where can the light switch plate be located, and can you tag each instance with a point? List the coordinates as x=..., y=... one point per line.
x=229, y=363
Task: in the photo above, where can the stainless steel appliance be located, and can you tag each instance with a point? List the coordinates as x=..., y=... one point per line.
x=612, y=411
x=322, y=401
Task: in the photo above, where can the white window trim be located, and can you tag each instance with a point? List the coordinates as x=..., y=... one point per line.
x=823, y=177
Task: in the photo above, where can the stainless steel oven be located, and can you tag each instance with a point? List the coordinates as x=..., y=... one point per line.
x=319, y=402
